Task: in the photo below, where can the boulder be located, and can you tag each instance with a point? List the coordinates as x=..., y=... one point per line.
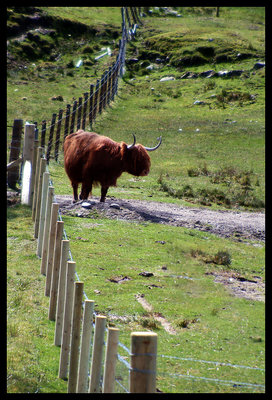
x=167, y=78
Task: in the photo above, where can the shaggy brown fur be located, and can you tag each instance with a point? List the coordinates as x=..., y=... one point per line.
x=92, y=159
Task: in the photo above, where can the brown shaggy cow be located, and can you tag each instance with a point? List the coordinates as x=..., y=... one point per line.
x=90, y=159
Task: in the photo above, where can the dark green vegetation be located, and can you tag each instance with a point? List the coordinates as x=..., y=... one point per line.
x=212, y=155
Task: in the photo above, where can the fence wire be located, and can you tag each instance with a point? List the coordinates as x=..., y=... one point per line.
x=123, y=367
x=91, y=103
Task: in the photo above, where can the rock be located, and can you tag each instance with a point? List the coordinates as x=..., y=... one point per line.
x=115, y=205
x=167, y=78
x=206, y=74
x=132, y=61
x=235, y=72
x=259, y=65
x=146, y=274
x=199, y=102
x=58, y=98
x=223, y=73
x=87, y=205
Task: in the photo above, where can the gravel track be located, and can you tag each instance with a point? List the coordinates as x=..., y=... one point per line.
x=239, y=225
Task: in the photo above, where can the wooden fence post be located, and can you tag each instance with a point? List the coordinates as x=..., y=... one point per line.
x=58, y=135
x=45, y=185
x=143, y=362
x=102, y=83
x=27, y=178
x=43, y=133
x=67, y=120
x=105, y=90
x=55, y=271
x=91, y=105
x=82, y=382
x=79, y=113
x=84, y=110
x=95, y=100
x=38, y=156
x=51, y=243
x=47, y=219
x=110, y=361
x=29, y=142
x=15, y=147
x=95, y=374
x=51, y=134
x=67, y=320
x=73, y=117
x=61, y=291
x=33, y=183
x=75, y=338
x=39, y=196
x=109, y=86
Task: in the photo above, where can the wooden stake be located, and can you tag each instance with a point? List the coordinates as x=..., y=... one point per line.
x=29, y=138
x=17, y=130
x=34, y=165
x=67, y=320
x=95, y=375
x=61, y=291
x=39, y=196
x=82, y=382
x=45, y=185
x=75, y=339
x=28, y=150
x=110, y=361
x=46, y=229
x=38, y=156
x=143, y=362
x=51, y=244
x=55, y=271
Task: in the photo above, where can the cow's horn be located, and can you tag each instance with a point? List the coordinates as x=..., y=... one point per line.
x=155, y=148
x=133, y=144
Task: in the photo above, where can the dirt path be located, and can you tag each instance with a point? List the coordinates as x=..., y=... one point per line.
x=236, y=224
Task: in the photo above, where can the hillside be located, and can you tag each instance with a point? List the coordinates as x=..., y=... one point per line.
x=213, y=67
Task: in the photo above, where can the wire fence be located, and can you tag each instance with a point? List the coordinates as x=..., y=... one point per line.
x=219, y=368
x=84, y=111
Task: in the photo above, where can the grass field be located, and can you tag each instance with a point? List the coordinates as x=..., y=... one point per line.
x=212, y=156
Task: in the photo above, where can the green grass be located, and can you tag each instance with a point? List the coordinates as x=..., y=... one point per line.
x=204, y=153
x=210, y=323
x=32, y=362
x=226, y=132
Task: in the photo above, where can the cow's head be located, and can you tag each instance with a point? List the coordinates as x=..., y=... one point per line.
x=136, y=159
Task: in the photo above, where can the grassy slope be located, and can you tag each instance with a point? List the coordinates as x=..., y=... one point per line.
x=220, y=326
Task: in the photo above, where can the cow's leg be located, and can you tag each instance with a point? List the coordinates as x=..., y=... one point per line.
x=85, y=190
x=75, y=186
x=104, y=190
